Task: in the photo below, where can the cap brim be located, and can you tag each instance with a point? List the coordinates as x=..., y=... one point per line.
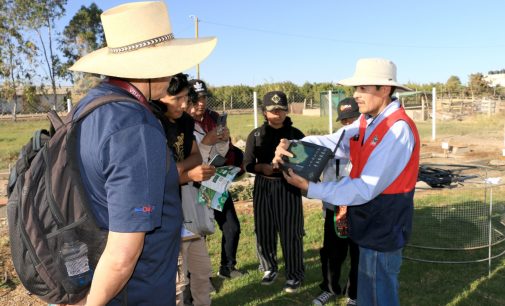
x=274, y=107
x=158, y=61
x=347, y=116
x=371, y=81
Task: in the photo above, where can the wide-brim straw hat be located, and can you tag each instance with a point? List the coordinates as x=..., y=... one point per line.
x=374, y=71
x=141, y=45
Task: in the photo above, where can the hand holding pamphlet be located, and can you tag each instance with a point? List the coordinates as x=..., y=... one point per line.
x=214, y=191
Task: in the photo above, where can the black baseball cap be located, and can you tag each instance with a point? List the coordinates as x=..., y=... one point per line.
x=347, y=108
x=275, y=100
x=197, y=88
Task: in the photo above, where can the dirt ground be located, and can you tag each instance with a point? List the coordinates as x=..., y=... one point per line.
x=485, y=151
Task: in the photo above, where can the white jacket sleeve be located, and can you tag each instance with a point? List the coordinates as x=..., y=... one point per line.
x=208, y=151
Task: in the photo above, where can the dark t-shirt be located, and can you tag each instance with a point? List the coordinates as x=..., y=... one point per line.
x=262, y=141
x=179, y=134
x=184, y=137
x=123, y=163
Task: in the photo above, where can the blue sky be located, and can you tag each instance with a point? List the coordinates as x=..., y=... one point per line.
x=319, y=41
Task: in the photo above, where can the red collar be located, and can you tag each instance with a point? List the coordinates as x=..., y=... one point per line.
x=134, y=91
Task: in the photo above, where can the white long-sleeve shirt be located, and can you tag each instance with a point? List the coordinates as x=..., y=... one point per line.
x=384, y=165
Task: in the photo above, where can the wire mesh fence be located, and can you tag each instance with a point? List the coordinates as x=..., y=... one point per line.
x=297, y=102
x=36, y=105
x=463, y=223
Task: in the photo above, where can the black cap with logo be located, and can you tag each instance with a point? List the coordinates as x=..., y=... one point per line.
x=275, y=100
x=347, y=108
x=197, y=88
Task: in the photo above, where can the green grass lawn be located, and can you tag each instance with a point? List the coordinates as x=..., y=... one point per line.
x=13, y=136
x=420, y=283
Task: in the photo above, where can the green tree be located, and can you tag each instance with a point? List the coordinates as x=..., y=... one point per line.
x=30, y=98
x=39, y=17
x=477, y=84
x=238, y=96
x=289, y=88
x=453, y=84
x=83, y=34
x=16, y=54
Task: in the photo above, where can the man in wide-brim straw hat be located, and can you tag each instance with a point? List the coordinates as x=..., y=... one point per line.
x=383, y=146
x=129, y=174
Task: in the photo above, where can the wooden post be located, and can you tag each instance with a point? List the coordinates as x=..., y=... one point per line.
x=503, y=151
x=423, y=115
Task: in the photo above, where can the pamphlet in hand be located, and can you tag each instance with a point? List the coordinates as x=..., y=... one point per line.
x=214, y=191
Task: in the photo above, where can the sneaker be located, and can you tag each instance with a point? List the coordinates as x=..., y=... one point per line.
x=229, y=273
x=292, y=285
x=269, y=277
x=351, y=302
x=323, y=298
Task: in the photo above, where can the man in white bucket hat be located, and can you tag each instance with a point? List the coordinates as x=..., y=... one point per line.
x=126, y=167
x=383, y=146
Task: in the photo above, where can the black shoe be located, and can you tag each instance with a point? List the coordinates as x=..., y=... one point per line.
x=269, y=277
x=323, y=298
x=229, y=273
x=292, y=285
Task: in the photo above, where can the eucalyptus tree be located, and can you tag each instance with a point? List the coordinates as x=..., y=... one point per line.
x=478, y=84
x=40, y=17
x=83, y=34
x=453, y=85
x=16, y=55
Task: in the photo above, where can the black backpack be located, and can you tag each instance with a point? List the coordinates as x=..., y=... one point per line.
x=54, y=239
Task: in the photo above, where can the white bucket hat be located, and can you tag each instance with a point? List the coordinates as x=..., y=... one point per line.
x=374, y=71
x=141, y=45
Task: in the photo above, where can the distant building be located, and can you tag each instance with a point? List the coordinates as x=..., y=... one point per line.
x=45, y=101
x=496, y=79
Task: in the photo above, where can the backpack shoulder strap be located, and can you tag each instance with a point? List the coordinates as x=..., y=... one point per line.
x=39, y=139
x=57, y=122
x=99, y=102
x=55, y=119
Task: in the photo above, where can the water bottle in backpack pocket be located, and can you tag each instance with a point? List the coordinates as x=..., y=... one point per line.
x=75, y=262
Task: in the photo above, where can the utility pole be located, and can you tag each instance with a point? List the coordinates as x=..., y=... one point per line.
x=195, y=18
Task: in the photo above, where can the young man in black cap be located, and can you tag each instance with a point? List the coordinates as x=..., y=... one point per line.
x=335, y=241
x=277, y=204
x=213, y=139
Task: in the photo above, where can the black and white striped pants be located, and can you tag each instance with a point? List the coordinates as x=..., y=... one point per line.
x=278, y=209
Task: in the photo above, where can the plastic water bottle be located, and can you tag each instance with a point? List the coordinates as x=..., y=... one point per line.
x=75, y=258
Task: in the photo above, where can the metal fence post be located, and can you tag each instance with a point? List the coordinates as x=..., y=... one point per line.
x=433, y=113
x=255, y=109
x=490, y=232
x=330, y=112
